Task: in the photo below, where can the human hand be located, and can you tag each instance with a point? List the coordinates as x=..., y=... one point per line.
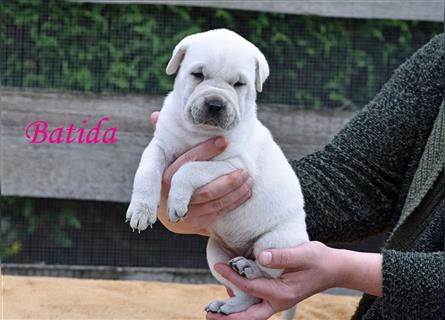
x=213, y=200
x=309, y=268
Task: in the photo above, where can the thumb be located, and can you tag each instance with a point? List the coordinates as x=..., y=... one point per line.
x=154, y=118
x=287, y=258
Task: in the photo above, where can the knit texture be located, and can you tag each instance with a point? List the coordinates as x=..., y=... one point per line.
x=358, y=186
x=408, y=299
x=428, y=169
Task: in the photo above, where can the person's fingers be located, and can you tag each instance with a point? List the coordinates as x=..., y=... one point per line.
x=220, y=187
x=286, y=258
x=212, y=316
x=230, y=292
x=215, y=316
x=204, y=151
x=200, y=216
x=154, y=118
x=203, y=215
x=237, y=202
x=225, y=203
x=259, y=311
x=259, y=287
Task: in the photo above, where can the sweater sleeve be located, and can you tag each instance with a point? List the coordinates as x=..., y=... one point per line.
x=353, y=187
x=415, y=283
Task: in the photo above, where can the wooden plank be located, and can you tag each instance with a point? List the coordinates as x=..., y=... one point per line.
x=425, y=10
x=163, y=274
x=105, y=171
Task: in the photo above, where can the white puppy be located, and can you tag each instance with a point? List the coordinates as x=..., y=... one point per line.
x=214, y=95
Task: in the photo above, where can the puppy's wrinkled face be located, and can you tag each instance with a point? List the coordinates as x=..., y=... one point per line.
x=215, y=93
x=216, y=80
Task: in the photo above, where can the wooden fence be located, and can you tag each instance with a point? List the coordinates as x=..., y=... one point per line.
x=424, y=10
x=105, y=171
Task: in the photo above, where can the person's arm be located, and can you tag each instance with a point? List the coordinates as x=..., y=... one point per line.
x=353, y=186
x=409, y=283
x=309, y=268
x=415, y=283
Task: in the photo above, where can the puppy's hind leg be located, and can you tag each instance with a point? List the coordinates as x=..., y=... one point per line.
x=287, y=235
x=250, y=269
x=241, y=301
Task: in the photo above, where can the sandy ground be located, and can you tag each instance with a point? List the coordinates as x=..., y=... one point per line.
x=62, y=298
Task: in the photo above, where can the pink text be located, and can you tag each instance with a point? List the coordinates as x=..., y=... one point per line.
x=37, y=132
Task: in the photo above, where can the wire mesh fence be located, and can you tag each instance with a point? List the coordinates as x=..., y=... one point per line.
x=315, y=63
x=90, y=233
x=66, y=232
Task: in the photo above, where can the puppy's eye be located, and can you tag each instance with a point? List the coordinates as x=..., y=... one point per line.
x=198, y=75
x=238, y=84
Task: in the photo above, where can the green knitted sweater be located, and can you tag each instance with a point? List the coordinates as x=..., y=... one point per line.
x=383, y=171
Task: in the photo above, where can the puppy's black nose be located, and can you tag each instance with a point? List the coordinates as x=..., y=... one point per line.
x=214, y=105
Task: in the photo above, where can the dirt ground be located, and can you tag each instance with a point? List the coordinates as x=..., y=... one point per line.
x=62, y=298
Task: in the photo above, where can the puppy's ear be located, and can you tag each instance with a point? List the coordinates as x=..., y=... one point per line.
x=178, y=54
x=176, y=59
x=261, y=70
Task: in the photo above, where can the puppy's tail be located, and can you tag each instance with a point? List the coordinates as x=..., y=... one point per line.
x=289, y=314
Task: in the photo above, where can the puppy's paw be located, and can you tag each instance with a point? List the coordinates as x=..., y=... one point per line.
x=177, y=206
x=214, y=306
x=246, y=267
x=232, y=305
x=141, y=214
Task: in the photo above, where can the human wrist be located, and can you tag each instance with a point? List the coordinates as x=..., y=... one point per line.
x=358, y=270
x=338, y=267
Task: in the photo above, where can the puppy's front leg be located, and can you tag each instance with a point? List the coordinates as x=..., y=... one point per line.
x=147, y=187
x=190, y=177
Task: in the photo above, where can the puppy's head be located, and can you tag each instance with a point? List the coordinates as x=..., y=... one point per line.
x=219, y=74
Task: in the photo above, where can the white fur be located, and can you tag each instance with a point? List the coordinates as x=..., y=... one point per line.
x=273, y=217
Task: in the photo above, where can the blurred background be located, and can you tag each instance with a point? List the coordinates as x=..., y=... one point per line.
x=318, y=63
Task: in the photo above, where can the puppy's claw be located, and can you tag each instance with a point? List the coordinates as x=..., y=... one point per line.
x=245, y=267
x=214, y=306
x=176, y=209
x=175, y=216
x=140, y=214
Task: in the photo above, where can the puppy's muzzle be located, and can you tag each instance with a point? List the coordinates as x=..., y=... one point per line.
x=215, y=105
x=212, y=110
